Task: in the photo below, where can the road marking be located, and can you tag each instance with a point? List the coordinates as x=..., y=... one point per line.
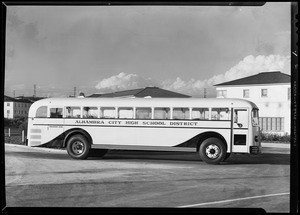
x=232, y=200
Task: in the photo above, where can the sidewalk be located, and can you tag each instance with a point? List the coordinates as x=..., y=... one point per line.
x=276, y=145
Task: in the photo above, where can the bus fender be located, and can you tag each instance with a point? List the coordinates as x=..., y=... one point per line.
x=74, y=131
x=206, y=135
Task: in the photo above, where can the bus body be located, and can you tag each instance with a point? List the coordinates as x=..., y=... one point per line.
x=213, y=127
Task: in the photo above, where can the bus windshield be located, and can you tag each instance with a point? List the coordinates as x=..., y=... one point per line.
x=255, y=117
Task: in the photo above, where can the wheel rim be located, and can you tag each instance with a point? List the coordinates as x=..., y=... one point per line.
x=212, y=151
x=78, y=147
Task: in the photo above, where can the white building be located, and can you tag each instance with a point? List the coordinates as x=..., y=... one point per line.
x=270, y=91
x=14, y=108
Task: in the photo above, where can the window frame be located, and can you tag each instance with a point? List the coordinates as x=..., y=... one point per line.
x=264, y=95
x=136, y=111
x=246, y=93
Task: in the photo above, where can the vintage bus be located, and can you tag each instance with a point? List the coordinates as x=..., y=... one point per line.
x=212, y=127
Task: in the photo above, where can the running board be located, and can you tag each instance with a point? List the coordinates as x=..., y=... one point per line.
x=146, y=148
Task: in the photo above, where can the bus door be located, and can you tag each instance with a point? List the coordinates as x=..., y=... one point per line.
x=55, y=123
x=240, y=128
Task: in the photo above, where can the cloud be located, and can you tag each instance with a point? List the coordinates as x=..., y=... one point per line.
x=250, y=65
x=124, y=81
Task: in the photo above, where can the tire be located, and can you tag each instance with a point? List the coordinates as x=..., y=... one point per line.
x=98, y=152
x=78, y=147
x=212, y=151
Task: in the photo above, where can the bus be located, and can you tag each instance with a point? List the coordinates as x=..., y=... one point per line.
x=212, y=127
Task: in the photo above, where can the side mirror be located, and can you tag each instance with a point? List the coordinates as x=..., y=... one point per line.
x=240, y=125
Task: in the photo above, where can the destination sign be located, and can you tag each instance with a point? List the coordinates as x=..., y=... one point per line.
x=137, y=123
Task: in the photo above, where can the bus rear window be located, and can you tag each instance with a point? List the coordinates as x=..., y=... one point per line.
x=41, y=112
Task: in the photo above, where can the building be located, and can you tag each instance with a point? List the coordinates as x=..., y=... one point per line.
x=14, y=108
x=270, y=91
x=148, y=92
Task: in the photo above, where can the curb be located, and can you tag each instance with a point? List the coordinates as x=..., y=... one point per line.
x=36, y=148
x=276, y=145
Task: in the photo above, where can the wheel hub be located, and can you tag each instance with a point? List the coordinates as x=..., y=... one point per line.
x=78, y=147
x=212, y=151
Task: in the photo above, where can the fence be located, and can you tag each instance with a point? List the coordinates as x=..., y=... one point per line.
x=14, y=135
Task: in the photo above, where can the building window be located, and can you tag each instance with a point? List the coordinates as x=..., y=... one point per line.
x=8, y=104
x=8, y=111
x=271, y=124
x=222, y=93
x=264, y=93
x=245, y=93
x=289, y=93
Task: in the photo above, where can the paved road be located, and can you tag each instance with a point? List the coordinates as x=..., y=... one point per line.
x=45, y=177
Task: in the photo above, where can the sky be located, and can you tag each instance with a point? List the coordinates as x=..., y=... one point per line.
x=101, y=49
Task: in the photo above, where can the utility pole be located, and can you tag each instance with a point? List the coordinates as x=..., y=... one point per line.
x=34, y=90
x=74, y=91
x=14, y=94
x=204, y=93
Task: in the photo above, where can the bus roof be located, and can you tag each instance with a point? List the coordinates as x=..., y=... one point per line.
x=142, y=102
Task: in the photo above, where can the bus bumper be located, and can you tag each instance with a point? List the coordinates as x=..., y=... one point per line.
x=255, y=150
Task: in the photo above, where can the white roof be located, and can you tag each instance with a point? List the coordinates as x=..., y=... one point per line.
x=141, y=102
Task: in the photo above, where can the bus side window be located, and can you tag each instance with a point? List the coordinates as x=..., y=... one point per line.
x=72, y=112
x=108, y=113
x=143, y=113
x=220, y=114
x=125, y=113
x=90, y=112
x=181, y=113
x=41, y=112
x=200, y=113
x=56, y=112
x=161, y=113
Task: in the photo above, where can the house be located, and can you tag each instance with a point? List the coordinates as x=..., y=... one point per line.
x=270, y=91
x=14, y=108
x=148, y=92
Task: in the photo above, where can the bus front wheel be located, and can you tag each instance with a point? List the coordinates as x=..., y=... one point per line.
x=78, y=147
x=212, y=151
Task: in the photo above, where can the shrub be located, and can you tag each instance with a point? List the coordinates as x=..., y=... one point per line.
x=271, y=137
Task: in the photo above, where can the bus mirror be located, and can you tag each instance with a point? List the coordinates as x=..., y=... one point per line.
x=240, y=125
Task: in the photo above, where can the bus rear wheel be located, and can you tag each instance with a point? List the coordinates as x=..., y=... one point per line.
x=212, y=151
x=78, y=147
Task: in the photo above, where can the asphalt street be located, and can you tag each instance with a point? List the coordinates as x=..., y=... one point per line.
x=39, y=177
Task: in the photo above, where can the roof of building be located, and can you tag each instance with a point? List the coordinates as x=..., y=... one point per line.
x=10, y=99
x=153, y=92
x=29, y=98
x=261, y=78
